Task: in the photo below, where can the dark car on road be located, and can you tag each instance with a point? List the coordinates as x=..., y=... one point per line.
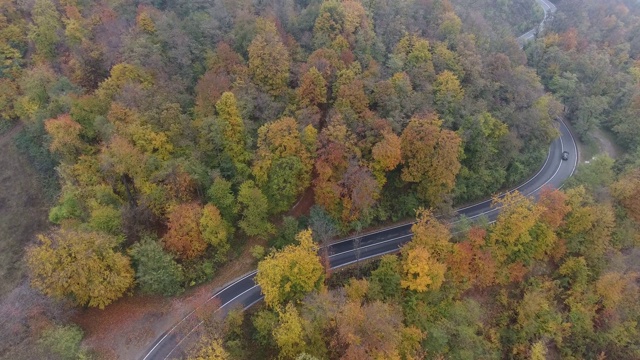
x=565, y=155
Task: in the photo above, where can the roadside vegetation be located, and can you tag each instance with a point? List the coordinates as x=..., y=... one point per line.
x=556, y=278
x=172, y=134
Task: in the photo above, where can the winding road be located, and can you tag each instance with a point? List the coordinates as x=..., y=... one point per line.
x=548, y=8
x=244, y=292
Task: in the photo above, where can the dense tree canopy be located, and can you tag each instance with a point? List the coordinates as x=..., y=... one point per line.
x=180, y=131
x=203, y=124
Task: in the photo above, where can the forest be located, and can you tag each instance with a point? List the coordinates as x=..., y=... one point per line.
x=172, y=134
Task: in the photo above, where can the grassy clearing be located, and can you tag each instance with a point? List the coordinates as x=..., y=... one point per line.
x=23, y=212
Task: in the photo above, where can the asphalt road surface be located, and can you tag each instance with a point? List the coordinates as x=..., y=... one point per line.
x=244, y=292
x=548, y=8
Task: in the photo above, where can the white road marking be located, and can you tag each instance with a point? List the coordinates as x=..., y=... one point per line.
x=199, y=306
x=201, y=322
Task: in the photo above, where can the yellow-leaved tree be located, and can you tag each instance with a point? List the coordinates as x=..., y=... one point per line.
x=386, y=155
x=283, y=163
x=233, y=130
x=269, y=60
x=511, y=232
x=65, y=137
x=211, y=351
x=431, y=234
x=79, y=265
x=291, y=273
x=215, y=230
x=420, y=271
x=289, y=334
x=431, y=157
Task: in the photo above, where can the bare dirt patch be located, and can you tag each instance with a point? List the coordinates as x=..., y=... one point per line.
x=23, y=211
x=24, y=313
x=606, y=143
x=126, y=328
x=303, y=205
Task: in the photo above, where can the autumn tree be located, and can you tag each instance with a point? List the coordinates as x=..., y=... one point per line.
x=65, y=137
x=612, y=286
x=412, y=54
x=420, y=271
x=360, y=192
x=211, y=350
x=269, y=60
x=351, y=100
x=554, y=203
x=223, y=68
x=184, y=237
x=344, y=187
x=291, y=273
x=328, y=63
x=537, y=317
x=283, y=163
x=313, y=89
x=124, y=166
x=627, y=192
x=431, y=157
x=8, y=96
x=510, y=235
x=329, y=24
x=44, y=31
x=215, y=231
x=233, y=131
x=81, y=265
x=372, y=330
x=387, y=155
x=254, y=209
x=470, y=263
x=431, y=234
x=448, y=94
x=588, y=228
x=121, y=76
x=75, y=28
x=34, y=92
x=289, y=333
x=13, y=39
x=447, y=61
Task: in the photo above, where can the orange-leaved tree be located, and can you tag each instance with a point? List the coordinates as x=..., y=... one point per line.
x=184, y=237
x=65, y=137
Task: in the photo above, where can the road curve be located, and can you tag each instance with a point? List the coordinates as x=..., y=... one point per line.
x=548, y=7
x=244, y=292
